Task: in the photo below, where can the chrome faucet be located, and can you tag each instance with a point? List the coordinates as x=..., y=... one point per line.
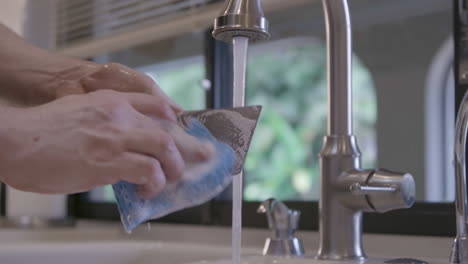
x=460, y=244
x=241, y=18
x=346, y=190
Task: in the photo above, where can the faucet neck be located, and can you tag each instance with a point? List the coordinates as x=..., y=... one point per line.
x=338, y=28
x=460, y=246
x=461, y=201
x=340, y=227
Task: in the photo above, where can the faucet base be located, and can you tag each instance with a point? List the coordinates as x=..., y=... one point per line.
x=283, y=247
x=459, y=253
x=339, y=211
x=359, y=259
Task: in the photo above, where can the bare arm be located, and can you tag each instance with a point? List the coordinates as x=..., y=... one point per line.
x=27, y=72
x=31, y=76
x=86, y=137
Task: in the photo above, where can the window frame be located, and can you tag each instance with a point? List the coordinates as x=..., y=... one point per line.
x=440, y=125
x=413, y=221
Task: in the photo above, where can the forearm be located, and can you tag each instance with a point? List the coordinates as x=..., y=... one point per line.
x=30, y=75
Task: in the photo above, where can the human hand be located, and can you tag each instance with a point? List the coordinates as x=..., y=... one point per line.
x=79, y=142
x=87, y=77
x=30, y=76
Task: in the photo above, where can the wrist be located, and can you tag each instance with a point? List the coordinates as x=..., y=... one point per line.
x=33, y=76
x=65, y=78
x=42, y=78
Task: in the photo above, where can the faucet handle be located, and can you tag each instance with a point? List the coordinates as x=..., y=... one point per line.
x=283, y=222
x=358, y=189
x=386, y=190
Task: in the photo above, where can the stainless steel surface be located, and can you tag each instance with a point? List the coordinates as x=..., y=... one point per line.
x=340, y=223
x=283, y=223
x=459, y=253
x=358, y=189
x=454, y=255
x=460, y=247
x=283, y=247
x=346, y=190
x=338, y=28
x=400, y=190
x=383, y=190
x=405, y=261
x=241, y=18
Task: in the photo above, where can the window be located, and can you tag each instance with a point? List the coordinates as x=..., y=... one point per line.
x=393, y=52
x=288, y=77
x=440, y=126
x=181, y=80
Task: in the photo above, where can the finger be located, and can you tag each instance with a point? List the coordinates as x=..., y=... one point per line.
x=151, y=105
x=144, y=171
x=155, y=185
x=110, y=76
x=151, y=140
x=118, y=77
x=190, y=147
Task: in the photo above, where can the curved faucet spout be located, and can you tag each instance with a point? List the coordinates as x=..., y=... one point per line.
x=338, y=26
x=460, y=254
x=345, y=189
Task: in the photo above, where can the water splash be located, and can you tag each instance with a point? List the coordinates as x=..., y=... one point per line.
x=129, y=218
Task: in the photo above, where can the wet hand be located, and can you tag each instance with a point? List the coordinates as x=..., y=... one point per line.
x=78, y=142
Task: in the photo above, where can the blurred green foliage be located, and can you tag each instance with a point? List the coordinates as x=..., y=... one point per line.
x=289, y=81
x=183, y=84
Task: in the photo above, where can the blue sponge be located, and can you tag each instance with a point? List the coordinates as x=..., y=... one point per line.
x=188, y=192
